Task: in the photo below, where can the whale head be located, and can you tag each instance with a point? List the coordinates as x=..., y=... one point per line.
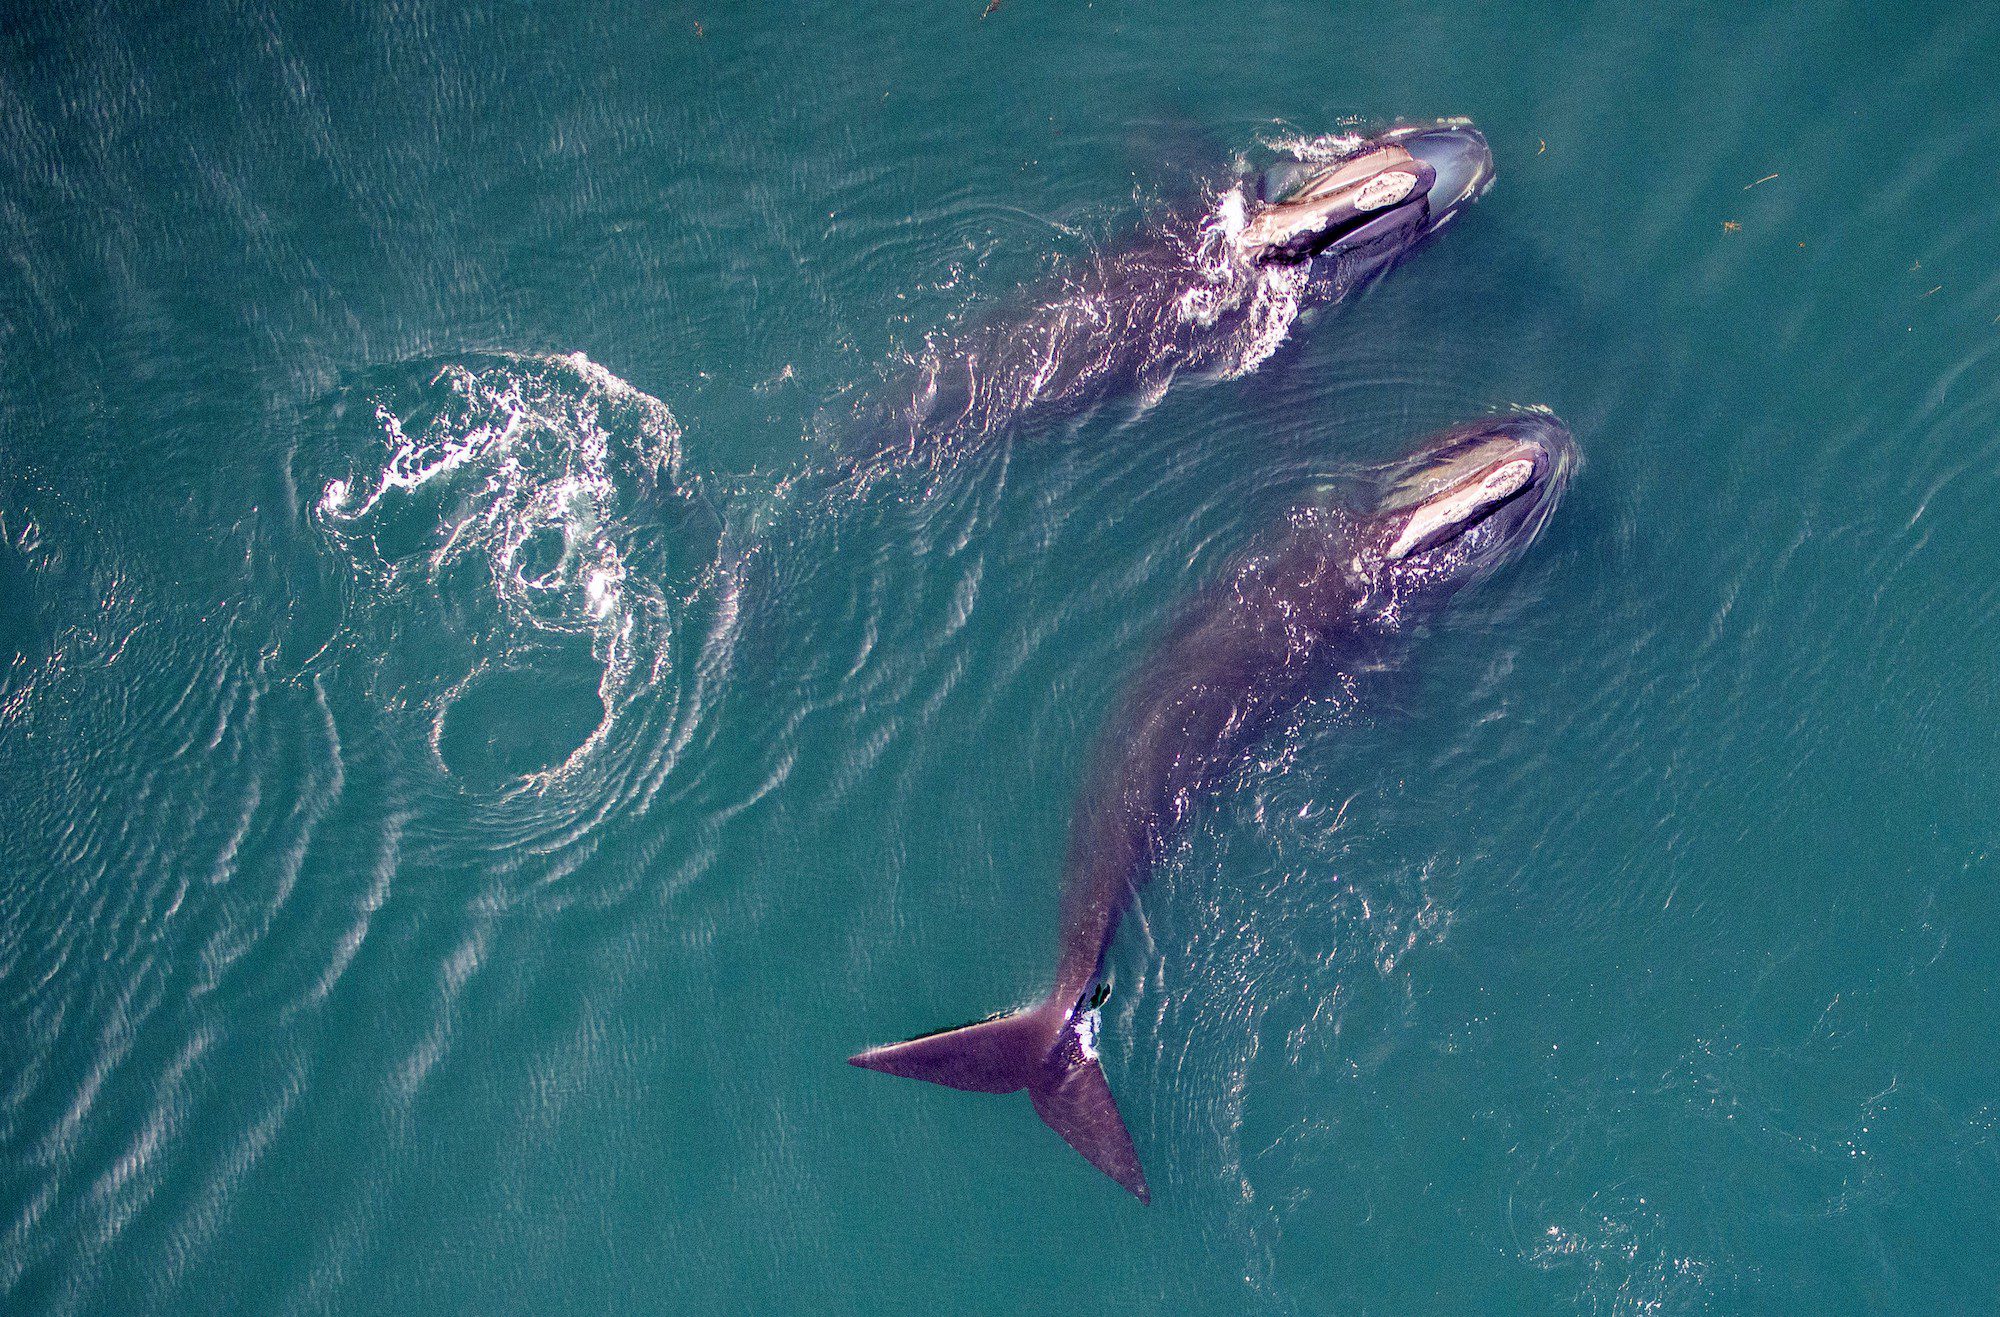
x=1375, y=205
x=1469, y=500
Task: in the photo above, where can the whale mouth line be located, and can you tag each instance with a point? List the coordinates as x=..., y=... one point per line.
x=1391, y=193
x=1361, y=198
x=1446, y=517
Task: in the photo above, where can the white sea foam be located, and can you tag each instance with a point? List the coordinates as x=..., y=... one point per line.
x=517, y=479
x=517, y=466
x=1224, y=271
x=1269, y=295
x=1274, y=308
x=1323, y=148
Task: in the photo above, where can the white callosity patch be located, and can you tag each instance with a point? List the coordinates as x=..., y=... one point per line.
x=1462, y=504
x=1337, y=196
x=1384, y=189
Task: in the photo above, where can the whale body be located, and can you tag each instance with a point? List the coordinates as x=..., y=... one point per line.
x=1287, y=623
x=1213, y=292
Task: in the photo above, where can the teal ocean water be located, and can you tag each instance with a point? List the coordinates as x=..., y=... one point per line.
x=471, y=779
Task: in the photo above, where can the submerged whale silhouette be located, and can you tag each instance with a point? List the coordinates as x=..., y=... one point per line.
x=1253, y=648
x=1213, y=292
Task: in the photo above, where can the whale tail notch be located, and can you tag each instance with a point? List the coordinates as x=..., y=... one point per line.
x=1052, y=1056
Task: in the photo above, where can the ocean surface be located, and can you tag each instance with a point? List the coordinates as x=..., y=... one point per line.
x=472, y=774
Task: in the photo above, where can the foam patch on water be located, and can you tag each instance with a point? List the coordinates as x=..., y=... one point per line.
x=1267, y=295
x=1319, y=149
x=532, y=444
x=1620, y=1260
x=498, y=520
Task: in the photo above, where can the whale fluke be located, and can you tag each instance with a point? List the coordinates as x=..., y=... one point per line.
x=1050, y=1053
x=1075, y=1101
x=996, y=1055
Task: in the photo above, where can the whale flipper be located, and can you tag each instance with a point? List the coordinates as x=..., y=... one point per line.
x=1042, y=1051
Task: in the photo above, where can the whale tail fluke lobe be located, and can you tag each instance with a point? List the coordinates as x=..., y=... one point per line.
x=993, y=1056
x=1037, y=1050
x=1075, y=1101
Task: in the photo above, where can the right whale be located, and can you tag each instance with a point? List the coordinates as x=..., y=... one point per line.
x=1303, y=616
x=1216, y=292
